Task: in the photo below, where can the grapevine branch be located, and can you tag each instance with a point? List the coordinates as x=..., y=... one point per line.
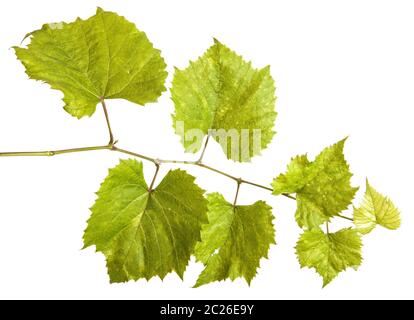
x=111, y=146
x=157, y=162
x=52, y=152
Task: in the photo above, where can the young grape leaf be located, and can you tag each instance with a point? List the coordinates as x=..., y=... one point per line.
x=234, y=240
x=146, y=233
x=376, y=209
x=323, y=187
x=330, y=253
x=103, y=57
x=222, y=92
x=295, y=177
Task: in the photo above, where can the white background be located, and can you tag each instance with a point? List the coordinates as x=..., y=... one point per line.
x=341, y=67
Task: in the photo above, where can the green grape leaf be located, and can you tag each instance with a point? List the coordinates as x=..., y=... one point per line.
x=295, y=177
x=146, y=233
x=330, y=253
x=376, y=209
x=103, y=57
x=309, y=214
x=234, y=240
x=222, y=95
x=323, y=187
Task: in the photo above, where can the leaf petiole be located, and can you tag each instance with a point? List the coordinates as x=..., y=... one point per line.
x=108, y=123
